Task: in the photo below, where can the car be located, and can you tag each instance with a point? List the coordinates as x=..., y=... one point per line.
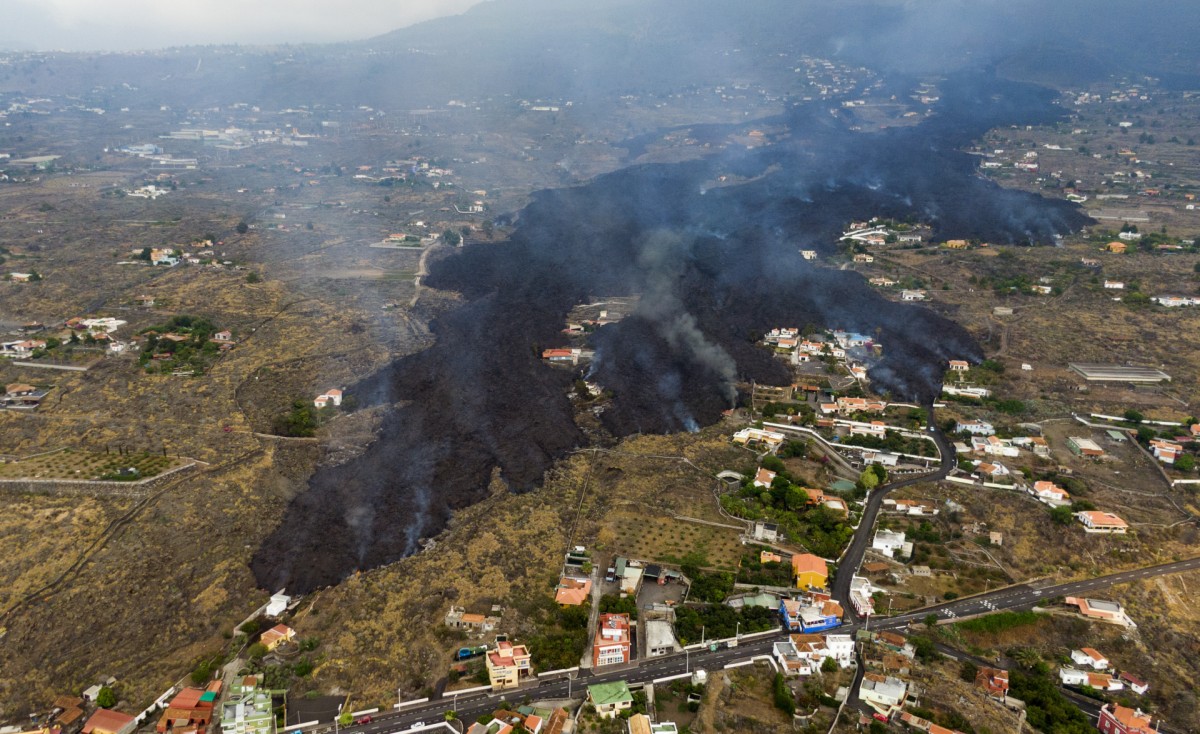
x=363, y=720
x=418, y=725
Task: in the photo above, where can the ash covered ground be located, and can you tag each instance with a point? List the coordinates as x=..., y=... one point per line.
x=712, y=267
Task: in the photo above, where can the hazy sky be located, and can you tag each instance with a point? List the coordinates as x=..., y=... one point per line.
x=133, y=24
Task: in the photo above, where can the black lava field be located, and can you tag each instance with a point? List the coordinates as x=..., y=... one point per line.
x=712, y=266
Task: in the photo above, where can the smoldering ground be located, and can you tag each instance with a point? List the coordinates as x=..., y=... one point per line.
x=713, y=267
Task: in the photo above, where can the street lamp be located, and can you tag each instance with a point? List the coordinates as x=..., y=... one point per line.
x=737, y=631
x=687, y=661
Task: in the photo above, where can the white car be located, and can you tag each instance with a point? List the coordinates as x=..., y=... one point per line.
x=418, y=725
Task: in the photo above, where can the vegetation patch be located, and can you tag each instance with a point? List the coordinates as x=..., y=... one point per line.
x=89, y=465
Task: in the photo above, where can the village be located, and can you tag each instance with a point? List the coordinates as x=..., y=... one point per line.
x=846, y=560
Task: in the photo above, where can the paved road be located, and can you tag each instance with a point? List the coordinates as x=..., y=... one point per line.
x=1025, y=596
x=853, y=557
x=472, y=705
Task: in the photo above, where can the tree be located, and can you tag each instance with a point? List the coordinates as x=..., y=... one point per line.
x=968, y=671
x=931, y=620
x=257, y=651
x=242, y=227
x=452, y=238
x=452, y=715
x=1061, y=515
x=868, y=479
x=1185, y=463
x=106, y=699
x=829, y=665
x=253, y=277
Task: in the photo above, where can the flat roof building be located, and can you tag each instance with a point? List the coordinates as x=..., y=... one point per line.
x=1096, y=372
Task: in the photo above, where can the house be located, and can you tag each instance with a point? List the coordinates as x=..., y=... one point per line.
x=329, y=397
x=1072, y=677
x=975, y=428
x=767, y=531
x=764, y=477
x=1116, y=248
x=1136, y=684
x=609, y=699
x=20, y=277
x=913, y=508
x=191, y=710
x=562, y=356
x=896, y=643
x=811, y=615
x=163, y=257
x=810, y=572
x=891, y=543
x=1051, y=494
x=1084, y=447
x=912, y=295
x=1095, y=521
x=1109, y=611
x=248, y=709
x=767, y=556
x=993, y=681
x=771, y=440
x=803, y=654
x=1089, y=657
x=878, y=429
x=458, y=618
x=860, y=596
x=864, y=258
x=1043, y=290
x=808, y=254
x=641, y=724
x=278, y=604
x=573, y=591
x=994, y=446
x=276, y=636
x=107, y=721
x=611, y=644
x=22, y=395
x=882, y=282
x=1114, y=285
x=1116, y=719
x=884, y=694
x=507, y=665
x=836, y=504
x=959, y=365
x=223, y=336
x=1165, y=451
x=1104, y=682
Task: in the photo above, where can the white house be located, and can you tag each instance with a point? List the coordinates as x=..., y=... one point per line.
x=993, y=446
x=1102, y=522
x=1114, y=285
x=1051, y=494
x=907, y=295
x=975, y=428
x=278, y=604
x=1072, y=677
x=884, y=694
x=889, y=543
x=329, y=397
x=1089, y=657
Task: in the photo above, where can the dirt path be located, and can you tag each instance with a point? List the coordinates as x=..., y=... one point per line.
x=422, y=271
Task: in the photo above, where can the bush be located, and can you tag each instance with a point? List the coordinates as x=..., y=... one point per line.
x=784, y=701
x=106, y=699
